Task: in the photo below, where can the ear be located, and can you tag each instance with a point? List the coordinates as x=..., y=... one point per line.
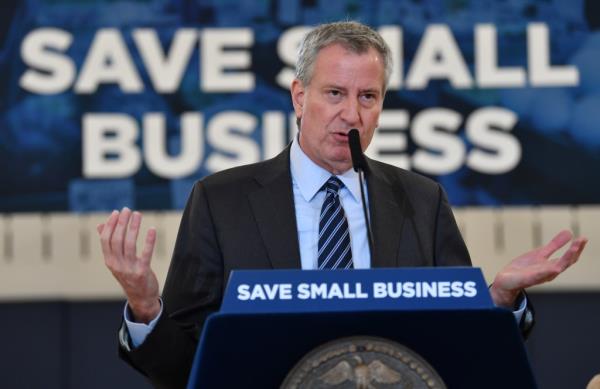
x=297, y=91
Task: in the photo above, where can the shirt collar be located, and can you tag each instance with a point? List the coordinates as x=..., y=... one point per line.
x=310, y=177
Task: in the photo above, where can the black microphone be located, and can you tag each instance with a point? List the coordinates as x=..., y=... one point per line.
x=360, y=166
x=358, y=158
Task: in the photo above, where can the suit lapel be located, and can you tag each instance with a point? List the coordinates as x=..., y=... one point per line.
x=273, y=208
x=386, y=205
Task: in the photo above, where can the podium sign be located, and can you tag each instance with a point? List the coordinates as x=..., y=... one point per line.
x=355, y=290
x=270, y=319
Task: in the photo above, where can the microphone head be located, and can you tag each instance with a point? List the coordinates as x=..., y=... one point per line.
x=358, y=158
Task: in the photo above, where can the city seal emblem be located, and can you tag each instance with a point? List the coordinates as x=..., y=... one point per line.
x=363, y=362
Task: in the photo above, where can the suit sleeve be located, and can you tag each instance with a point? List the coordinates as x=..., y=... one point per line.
x=193, y=290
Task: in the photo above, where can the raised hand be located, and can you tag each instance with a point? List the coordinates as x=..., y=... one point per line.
x=118, y=237
x=535, y=267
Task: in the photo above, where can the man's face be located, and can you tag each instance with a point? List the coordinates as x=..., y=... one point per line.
x=346, y=91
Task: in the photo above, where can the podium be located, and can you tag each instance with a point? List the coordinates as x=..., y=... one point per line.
x=270, y=320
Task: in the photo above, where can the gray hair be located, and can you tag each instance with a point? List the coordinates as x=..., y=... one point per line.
x=353, y=36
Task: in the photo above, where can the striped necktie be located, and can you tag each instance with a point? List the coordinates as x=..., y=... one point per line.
x=334, y=235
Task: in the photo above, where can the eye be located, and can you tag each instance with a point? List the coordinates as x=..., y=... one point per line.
x=334, y=95
x=368, y=98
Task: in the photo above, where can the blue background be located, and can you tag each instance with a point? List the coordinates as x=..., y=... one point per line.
x=40, y=135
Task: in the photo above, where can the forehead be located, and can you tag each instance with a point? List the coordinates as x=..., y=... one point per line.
x=337, y=65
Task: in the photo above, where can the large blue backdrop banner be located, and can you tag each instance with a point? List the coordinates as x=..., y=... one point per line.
x=106, y=102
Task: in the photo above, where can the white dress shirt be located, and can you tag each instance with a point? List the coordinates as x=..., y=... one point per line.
x=307, y=180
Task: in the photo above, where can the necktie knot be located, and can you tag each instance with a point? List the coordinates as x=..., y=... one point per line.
x=333, y=185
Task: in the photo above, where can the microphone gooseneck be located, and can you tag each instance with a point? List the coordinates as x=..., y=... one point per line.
x=359, y=163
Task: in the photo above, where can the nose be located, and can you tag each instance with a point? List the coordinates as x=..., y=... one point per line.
x=350, y=113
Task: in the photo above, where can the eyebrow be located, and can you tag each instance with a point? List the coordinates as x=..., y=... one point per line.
x=370, y=90
x=367, y=90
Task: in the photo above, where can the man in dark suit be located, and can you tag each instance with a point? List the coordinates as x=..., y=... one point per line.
x=268, y=215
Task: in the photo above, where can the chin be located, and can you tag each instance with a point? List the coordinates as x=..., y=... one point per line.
x=341, y=158
x=341, y=165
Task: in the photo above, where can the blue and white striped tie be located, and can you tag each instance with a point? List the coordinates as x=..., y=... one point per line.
x=334, y=235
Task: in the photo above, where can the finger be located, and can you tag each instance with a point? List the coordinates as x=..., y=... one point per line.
x=552, y=269
x=548, y=270
x=149, y=246
x=559, y=240
x=118, y=236
x=132, y=235
x=572, y=254
x=106, y=234
x=99, y=228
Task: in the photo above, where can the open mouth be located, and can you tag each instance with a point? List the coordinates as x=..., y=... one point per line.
x=340, y=136
x=343, y=134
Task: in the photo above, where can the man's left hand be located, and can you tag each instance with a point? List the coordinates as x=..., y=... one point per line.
x=535, y=267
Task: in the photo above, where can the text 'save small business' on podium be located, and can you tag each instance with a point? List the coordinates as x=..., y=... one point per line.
x=433, y=327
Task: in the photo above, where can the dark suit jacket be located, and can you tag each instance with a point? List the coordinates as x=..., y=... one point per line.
x=244, y=218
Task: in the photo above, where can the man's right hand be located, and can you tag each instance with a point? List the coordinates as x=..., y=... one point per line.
x=118, y=237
